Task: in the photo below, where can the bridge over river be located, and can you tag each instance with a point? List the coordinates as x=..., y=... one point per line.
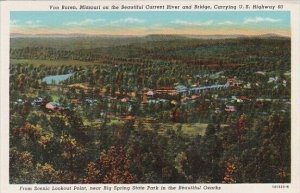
x=195, y=90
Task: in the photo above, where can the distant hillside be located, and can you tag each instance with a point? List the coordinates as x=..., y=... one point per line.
x=163, y=37
x=79, y=41
x=272, y=36
x=82, y=41
x=233, y=36
x=70, y=42
x=153, y=47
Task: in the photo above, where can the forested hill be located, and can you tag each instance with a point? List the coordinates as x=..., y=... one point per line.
x=154, y=47
x=76, y=41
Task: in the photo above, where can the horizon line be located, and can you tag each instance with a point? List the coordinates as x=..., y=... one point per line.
x=143, y=35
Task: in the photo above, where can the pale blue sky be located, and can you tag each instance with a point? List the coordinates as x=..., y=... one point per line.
x=142, y=23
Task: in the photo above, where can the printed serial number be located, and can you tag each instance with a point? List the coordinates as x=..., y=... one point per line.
x=280, y=186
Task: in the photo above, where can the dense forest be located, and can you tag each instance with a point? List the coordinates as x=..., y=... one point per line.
x=156, y=109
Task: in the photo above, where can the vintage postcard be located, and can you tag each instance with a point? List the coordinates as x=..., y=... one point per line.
x=146, y=96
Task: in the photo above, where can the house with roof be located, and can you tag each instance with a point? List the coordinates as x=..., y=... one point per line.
x=230, y=108
x=166, y=90
x=150, y=93
x=232, y=82
x=75, y=101
x=54, y=106
x=37, y=101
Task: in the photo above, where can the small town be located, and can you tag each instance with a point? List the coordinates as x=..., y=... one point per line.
x=177, y=103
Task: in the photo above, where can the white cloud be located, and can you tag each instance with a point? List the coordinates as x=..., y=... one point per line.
x=27, y=24
x=182, y=22
x=129, y=20
x=14, y=22
x=226, y=23
x=84, y=22
x=33, y=24
x=260, y=20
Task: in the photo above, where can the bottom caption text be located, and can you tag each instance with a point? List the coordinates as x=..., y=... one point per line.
x=39, y=188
